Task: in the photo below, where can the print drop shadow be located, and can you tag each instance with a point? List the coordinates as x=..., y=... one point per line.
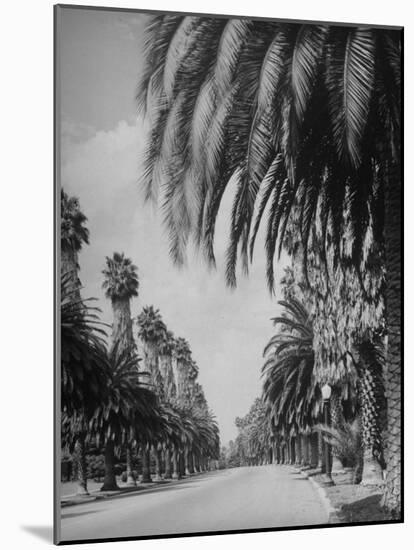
x=43, y=532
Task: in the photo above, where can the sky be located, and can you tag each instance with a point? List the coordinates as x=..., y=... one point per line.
x=101, y=144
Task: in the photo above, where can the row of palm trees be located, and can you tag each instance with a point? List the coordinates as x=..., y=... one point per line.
x=286, y=424
x=304, y=121
x=253, y=444
x=115, y=395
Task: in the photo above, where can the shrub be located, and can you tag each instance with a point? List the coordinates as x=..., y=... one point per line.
x=346, y=442
x=96, y=466
x=124, y=475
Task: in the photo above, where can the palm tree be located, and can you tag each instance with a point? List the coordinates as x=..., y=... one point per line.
x=370, y=366
x=151, y=332
x=287, y=112
x=207, y=443
x=130, y=413
x=169, y=391
x=121, y=284
x=171, y=438
x=347, y=308
x=84, y=372
x=73, y=235
x=166, y=350
x=254, y=439
x=182, y=353
x=290, y=388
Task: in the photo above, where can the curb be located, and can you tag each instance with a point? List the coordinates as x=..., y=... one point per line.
x=332, y=513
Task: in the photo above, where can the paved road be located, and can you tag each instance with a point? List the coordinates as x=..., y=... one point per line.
x=242, y=498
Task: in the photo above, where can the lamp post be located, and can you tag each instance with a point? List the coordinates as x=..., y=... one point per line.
x=326, y=395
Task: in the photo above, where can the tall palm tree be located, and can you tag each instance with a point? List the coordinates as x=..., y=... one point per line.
x=286, y=112
x=151, y=332
x=292, y=381
x=254, y=439
x=121, y=284
x=169, y=391
x=347, y=308
x=83, y=378
x=73, y=235
x=183, y=360
x=166, y=350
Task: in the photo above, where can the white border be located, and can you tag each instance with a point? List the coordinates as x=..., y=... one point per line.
x=27, y=270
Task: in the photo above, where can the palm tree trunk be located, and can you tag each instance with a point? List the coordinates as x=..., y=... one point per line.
x=122, y=324
x=392, y=235
x=146, y=460
x=69, y=267
x=304, y=446
x=195, y=464
x=181, y=462
x=314, y=450
x=338, y=422
x=298, y=444
x=176, y=466
x=278, y=457
x=167, y=459
x=337, y=412
x=110, y=478
x=181, y=381
x=80, y=457
x=157, y=459
x=130, y=475
x=292, y=451
x=321, y=453
x=306, y=452
x=296, y=450
x=274, y=454
x=186, y=462
x=370, y=397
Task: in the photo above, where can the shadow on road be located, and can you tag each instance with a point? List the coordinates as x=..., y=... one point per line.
x=129, y=494
x=184, y=483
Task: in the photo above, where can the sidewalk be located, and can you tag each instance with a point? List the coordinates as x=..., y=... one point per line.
x=347, y=502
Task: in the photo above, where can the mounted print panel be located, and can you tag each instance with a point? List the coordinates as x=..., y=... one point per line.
x=228, y=274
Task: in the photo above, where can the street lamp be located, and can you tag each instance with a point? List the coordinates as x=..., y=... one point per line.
x=326, y=395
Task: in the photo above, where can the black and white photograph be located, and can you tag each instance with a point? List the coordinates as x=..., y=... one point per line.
x=229, y=258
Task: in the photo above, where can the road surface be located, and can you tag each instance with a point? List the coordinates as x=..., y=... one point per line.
x=240, y=498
